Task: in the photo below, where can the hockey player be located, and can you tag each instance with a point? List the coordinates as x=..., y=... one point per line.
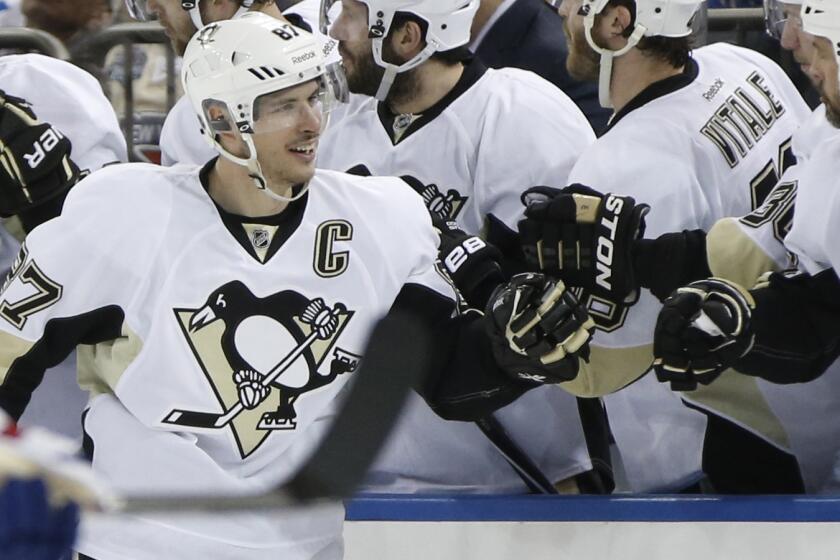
x=784, y=329
x=424, y=107
x=738, y=250
x=694, y=134
x=229, y=305
x=56, y=125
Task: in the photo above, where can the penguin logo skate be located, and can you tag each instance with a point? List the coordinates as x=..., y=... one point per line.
x=446, y=205
x=261, y=356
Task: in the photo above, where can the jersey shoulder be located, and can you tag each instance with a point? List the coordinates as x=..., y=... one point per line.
x=129, y=197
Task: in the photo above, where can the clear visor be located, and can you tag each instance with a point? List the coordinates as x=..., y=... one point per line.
x=303, y=107
x=328, y=14
x=775, y=17
x=138, y=10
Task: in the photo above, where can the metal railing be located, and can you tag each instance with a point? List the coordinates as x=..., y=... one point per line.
x=23, y=38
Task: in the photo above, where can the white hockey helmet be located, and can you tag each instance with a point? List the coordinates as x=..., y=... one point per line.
x=654, y=18
x=138, y=10
x=822, y=18
x=448, y=26
x=231, y=64
x=775, y=18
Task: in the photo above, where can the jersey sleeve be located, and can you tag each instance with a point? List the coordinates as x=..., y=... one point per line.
x=533, y=135
x=72, y=282
x=464, y=382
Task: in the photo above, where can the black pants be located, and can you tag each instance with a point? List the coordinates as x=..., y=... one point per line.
x=739, y=462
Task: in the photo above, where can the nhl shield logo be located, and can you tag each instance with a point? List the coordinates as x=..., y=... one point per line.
x=445, y=205
x=260, y=357
x=261, y=238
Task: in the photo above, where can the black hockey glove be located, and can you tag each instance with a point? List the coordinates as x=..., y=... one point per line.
x=702, y=330
x=35, y=164
x=538, y=329
x=471, y=262
x=584, y=237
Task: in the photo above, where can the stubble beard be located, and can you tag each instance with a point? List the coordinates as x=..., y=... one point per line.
x=582, y=63
x=365, y=76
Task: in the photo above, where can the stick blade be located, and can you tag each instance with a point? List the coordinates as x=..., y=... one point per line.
x=192, y=419
x=396, y=359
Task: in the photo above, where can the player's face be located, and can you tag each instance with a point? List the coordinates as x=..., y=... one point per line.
x=826, y=77
x=176, y=22
x=286, y=129
x=583, y=63
x=354, y=46
x=794, y=39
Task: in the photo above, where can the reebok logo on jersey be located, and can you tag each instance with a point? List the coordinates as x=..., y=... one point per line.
x=714, y=90
x=42, y=146
x=605, y=248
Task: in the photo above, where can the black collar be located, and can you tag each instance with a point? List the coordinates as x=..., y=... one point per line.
x=474, y=69
x=657, y=90
x=286, y=221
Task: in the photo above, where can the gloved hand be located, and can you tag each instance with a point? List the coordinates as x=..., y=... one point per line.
x=539, y=329
x=702, y=330
x=35, y=163
x=584, y=237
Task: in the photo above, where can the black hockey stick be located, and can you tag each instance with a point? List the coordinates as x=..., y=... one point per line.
x=519, y=461
x=395, y=360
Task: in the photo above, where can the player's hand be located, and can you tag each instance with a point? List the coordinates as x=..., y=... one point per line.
x=702, y=330
x=35, y=164
x=539, y=329
x=471, y=262
x=584, y=237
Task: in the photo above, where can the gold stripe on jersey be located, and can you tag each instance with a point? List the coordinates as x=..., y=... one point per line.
x=738, y=397
x=734, y=256
x=101, y=366
x=609, y=369
x=11, y=348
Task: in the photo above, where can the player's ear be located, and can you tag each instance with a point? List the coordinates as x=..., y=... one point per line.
x=407, y=41
x=616, y=22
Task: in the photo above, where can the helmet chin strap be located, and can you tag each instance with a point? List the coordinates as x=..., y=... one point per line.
x=195, y=13
x=607, y=57
x=255, y=169
x=391, y=70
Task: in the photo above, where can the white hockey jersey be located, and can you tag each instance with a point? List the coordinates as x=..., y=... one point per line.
x=496, y=134
x=694, y=147
x=184, y=301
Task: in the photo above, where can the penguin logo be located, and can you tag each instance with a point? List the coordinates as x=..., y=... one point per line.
x=259, y=356
x=445, y=205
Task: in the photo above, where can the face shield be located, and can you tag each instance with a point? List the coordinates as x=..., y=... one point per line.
x=775, y=18
x=138, y=10
x=335, y=79
x=287, y=109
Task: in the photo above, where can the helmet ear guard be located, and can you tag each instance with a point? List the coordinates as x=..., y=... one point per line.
x=653, y=18
x=822, y=19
